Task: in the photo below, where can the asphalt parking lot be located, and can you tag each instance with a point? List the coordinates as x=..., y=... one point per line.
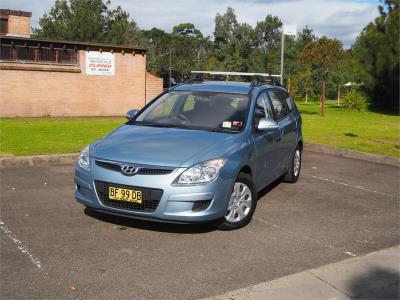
x=52, y=248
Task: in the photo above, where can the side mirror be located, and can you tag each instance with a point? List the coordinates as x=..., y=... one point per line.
x=130, y=114
x=267, y=125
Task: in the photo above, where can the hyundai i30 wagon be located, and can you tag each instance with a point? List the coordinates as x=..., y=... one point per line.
x=199, y=152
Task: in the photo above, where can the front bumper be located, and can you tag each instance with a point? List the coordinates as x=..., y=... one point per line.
x=176, y=203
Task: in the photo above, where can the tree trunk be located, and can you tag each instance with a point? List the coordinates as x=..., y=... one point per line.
x=338, y=95
x=306, y=96
x=322, y=104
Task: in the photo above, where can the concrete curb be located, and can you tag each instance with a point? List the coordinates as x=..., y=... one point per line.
x=380, y=159
x=38, y=160
x=65, y=159
x=371, y=276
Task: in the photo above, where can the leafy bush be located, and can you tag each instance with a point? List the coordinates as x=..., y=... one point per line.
x=354, y=100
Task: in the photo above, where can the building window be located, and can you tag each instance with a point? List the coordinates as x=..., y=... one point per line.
x=5, y=52
x=68, y=57
x=44, y=55
x=25, y=54
x=3, y=26
x=48, y=55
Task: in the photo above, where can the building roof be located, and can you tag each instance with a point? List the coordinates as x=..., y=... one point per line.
x=15, y=12
x=77, y=45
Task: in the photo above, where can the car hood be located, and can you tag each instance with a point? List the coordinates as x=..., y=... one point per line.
x=173, y=147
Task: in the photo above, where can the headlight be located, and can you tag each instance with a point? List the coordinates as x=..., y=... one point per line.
x=83, y=160
x=202, y=172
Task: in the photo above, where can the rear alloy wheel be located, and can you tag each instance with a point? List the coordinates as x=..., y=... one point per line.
x=242, y=204
x=294, y=170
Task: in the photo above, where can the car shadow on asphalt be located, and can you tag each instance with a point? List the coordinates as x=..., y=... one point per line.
x=377, y=283
x=124, y=223
x=269, y=188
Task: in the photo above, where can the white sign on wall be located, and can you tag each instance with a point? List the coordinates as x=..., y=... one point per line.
x=290, y=29
x=100, y=63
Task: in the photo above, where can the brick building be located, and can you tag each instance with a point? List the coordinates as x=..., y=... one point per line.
x=59, y=78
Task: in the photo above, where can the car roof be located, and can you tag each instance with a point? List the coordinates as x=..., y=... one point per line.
x=220, y=86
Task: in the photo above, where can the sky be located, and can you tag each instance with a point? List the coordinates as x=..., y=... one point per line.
x=341, y=19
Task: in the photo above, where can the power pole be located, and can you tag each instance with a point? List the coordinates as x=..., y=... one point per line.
x=170, y=66
x=282, y=53
x=286, y=30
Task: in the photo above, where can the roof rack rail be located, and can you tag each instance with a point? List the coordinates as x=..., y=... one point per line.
x=272, y=78
x=195, y=78
x=234, y=73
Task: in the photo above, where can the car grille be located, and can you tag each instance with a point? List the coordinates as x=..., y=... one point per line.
x=151, y=197
x=142, y=170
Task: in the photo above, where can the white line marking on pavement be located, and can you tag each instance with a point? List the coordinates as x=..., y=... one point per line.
x=13, y=188
x=320, y=242
x=20, y=246
x=349, y=185
x=270, y=223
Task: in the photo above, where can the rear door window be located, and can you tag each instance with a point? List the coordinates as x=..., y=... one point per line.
x=279, y=105
x=264, y=105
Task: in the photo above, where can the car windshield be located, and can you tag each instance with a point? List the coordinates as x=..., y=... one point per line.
x=213, y=111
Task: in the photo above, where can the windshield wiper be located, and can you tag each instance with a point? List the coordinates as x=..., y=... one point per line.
x=165, y=125
x=221, y=130
x=155, y=124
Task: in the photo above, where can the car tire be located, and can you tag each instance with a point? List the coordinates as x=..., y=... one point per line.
x=242, y=204
x=295, y=167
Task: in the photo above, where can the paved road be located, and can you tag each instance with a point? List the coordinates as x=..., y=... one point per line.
x=51, y=248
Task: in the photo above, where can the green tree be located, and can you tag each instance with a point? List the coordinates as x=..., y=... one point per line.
x=323, y=55
x=87, y=20
x=232, y=42
x=346, y=70
x=157, y=42
x=189, y=48
x=300, y=75
x=268, y=38
x=186, y=47
x=187, y=29
x=304, y=81
x=377, y=51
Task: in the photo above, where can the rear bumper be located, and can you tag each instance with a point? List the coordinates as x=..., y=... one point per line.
x=176, y=203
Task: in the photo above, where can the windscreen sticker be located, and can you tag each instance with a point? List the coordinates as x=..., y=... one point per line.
x=226, y=124
x=237, y=123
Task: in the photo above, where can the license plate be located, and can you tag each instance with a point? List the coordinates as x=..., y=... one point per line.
x=128, y=195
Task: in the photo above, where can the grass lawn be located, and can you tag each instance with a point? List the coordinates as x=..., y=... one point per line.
x=31, y=136
x=362, y=131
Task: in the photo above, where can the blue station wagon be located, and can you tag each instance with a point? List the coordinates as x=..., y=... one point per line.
x=199, y=152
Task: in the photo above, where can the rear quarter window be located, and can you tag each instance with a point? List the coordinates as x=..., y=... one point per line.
x=289, y=102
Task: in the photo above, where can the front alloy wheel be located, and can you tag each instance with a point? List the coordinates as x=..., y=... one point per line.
x=242, y=204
